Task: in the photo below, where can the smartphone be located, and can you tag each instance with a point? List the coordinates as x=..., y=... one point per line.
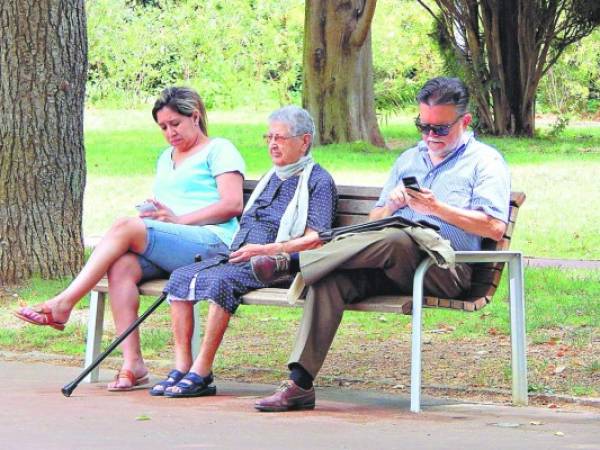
x=146, y=207
x=411, y=183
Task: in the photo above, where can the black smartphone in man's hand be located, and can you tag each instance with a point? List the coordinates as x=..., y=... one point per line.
x=411, y=183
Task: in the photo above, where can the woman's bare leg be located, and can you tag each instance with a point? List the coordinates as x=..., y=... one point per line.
x=182, y=322
x=216, y=325
x=123, y=276
x=125, y=235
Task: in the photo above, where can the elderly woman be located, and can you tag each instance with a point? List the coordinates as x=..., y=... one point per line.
x=290, y=205
x=197, y=196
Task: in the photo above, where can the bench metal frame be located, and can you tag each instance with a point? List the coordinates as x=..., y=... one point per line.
x=517, y=321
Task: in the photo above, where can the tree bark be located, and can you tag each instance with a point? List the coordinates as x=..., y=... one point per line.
x=338, y=71
x=43, y=66
x=506, y=46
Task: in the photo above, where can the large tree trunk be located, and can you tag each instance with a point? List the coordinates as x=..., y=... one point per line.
x=338, y=71
x=43, y=66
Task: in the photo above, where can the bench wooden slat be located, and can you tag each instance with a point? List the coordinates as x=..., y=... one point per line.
x=354, y=207
x=342, y=220
x=359, y=192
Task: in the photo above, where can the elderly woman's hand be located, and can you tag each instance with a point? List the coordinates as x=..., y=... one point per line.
x=249, y=250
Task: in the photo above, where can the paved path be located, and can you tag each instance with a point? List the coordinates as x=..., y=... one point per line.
x=35, y=415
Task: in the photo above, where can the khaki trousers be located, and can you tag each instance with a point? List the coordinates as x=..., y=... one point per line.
x=356, y=267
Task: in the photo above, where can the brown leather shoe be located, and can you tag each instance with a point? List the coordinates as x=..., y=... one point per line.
x=269, y=269
x=288, y=397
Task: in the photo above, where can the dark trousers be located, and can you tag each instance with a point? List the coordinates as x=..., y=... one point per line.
x=356, y=267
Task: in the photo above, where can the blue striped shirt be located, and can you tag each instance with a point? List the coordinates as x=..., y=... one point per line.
x=474, y=176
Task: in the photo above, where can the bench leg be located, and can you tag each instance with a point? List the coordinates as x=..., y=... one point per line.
x=517, y=330
x=94, y=333
x=415, y=353
x=197, y=336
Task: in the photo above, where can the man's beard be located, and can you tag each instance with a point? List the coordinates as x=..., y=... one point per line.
x=449, y=148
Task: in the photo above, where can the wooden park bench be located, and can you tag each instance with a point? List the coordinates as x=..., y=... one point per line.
x=354, y=205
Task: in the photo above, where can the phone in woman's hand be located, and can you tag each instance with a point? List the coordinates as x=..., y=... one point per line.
x=146, y=207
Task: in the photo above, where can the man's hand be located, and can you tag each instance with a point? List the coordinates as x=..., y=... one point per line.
x=472, y=221
x=422, y=201
x=397, y=199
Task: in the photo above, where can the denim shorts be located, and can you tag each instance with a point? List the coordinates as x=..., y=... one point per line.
x=170, y=246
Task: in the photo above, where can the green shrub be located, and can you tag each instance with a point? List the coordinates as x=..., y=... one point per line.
x=234, y=52
x=249, y=53
x=571, y=86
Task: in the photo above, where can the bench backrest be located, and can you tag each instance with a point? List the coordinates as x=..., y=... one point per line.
x=354, y=205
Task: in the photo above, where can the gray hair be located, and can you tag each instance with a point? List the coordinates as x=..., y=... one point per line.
x=297, y=119
x=184, y=101
x=445, y=91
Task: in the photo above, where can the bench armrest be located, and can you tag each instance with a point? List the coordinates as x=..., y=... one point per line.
x=484, y=256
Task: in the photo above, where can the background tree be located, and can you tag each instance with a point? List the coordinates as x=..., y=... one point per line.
x=506, y=46
x=338, y=70
x=42, y=168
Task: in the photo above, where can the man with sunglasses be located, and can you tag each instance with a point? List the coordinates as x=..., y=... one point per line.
x=452, y=181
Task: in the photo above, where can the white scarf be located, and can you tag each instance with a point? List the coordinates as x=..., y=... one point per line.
x=293, y=221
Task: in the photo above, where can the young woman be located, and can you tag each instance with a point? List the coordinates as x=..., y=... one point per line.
x=197, y=196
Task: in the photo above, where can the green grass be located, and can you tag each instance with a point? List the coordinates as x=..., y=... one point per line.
x=131, y=146
x=558, y=174
x=559, y=219
x=566, y=299
x=562, y=310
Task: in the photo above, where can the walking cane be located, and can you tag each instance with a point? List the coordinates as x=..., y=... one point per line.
x=68, y=389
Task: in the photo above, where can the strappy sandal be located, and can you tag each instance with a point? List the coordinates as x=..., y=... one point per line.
x=133, y=380
x=39, y=315
x=192, y=385
x=172, y=379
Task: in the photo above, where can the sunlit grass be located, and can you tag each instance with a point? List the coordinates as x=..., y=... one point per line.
x=567, y=299
x=558, y=174
x=562, y=309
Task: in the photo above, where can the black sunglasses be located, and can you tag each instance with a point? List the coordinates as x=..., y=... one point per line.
x=438, y=130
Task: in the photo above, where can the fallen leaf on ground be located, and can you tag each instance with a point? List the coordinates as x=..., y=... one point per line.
x=552, y=406
x=142, y=417
x=559, y=433
x=536, y=422
x=559, y=370
x=506, y=424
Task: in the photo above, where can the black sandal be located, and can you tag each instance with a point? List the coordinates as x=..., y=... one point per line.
x=172, y=379
x=193, y=385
